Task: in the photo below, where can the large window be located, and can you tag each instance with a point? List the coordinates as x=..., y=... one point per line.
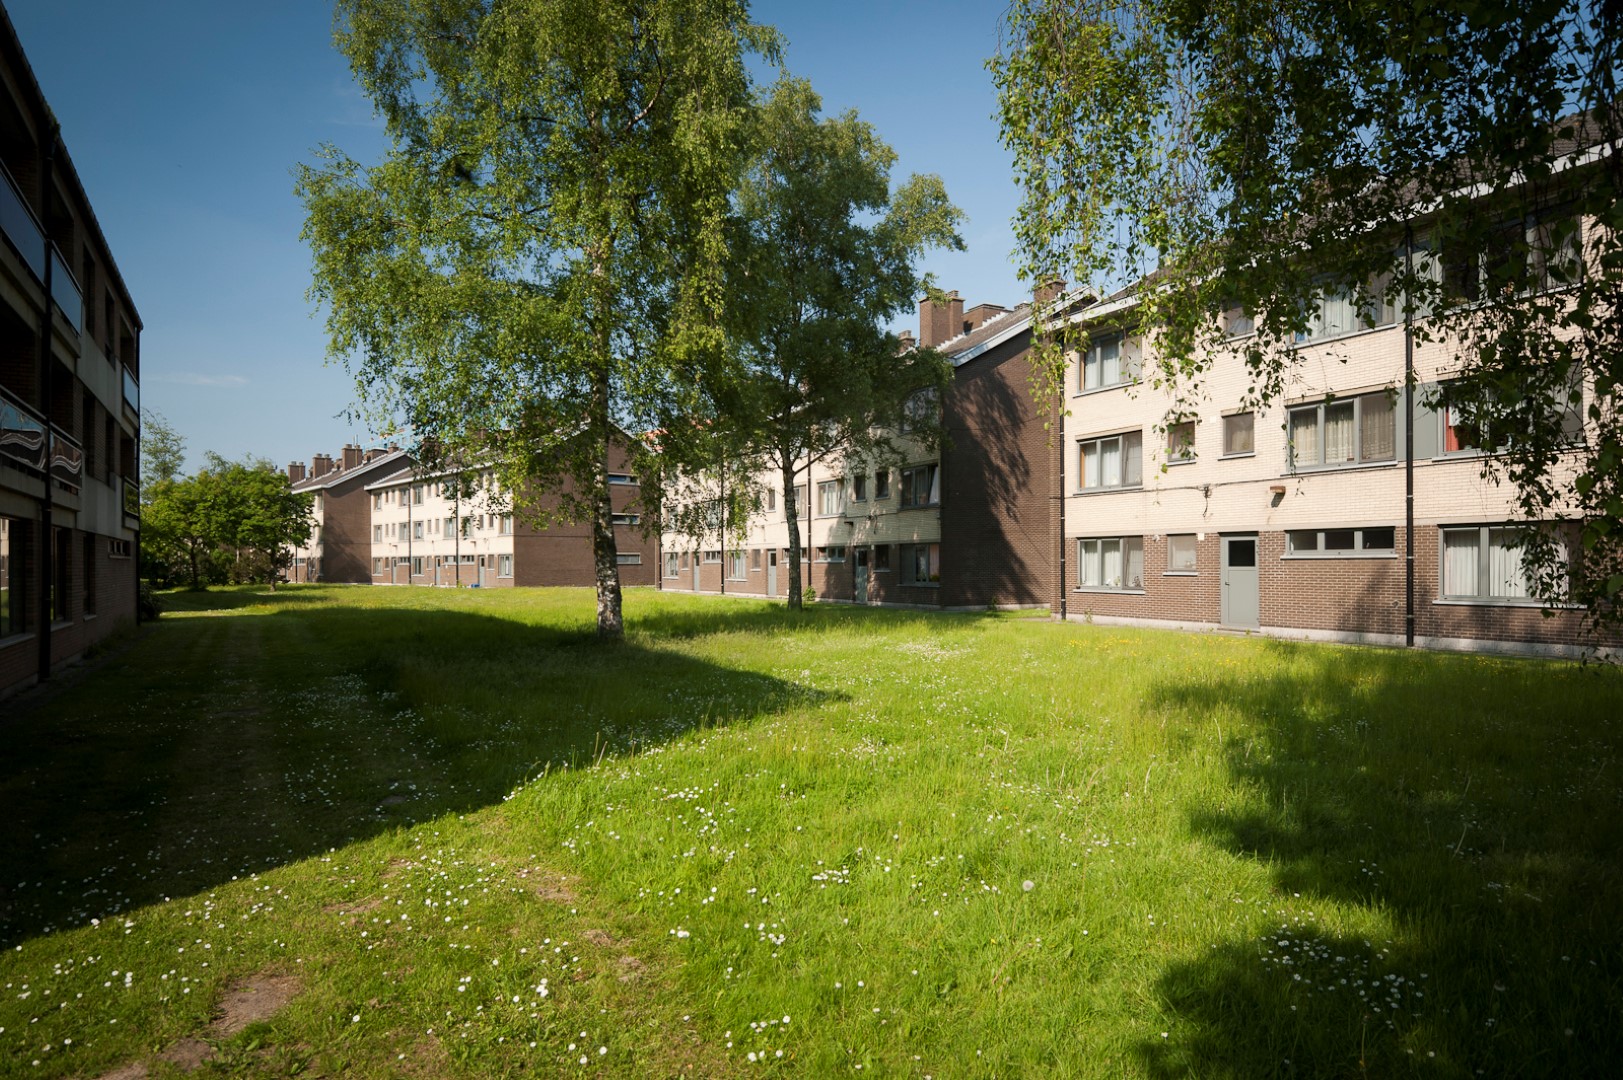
x=1110, y=563
x=1239, y=434
x=1524, y=256
x=672, y=564
x=921, y=486
x=1486, y=563
x=1181, y=554
x=831, y=553
x=1340, y=543
x=1113, y=461
x=1474, y=425
x=736, y=568
x=1343, y=431
x=829, y=502
x=13, y=587
x=921, y=564
x=1106, y=363
x=504, y=566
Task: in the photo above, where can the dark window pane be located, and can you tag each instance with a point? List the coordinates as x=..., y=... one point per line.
x=1338, y=540
x=1242, y=553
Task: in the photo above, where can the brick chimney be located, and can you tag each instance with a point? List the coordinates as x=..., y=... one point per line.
x=295, y=472
x=320, y=466
x=905, y=342
x=352, y=456
x=1048, y=291
x=940, y=322
x=981, y=314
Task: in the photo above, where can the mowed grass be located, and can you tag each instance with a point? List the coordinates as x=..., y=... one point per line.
x=475, y=842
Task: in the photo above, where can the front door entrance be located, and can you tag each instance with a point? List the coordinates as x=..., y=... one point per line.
x=859, y=586
x=695, y=571
x=772, y=572
x=1240, y=605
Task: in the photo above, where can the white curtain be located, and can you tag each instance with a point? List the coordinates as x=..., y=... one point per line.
x=1375, y=428
x=1133, y=455
x=1305, y=437
x=1110, y=361
x=1087, y=562
x=1134, y=560
x=1338, y=432
x=1506, y=576
x=1110, y=553
x=1090, y=465
x=1110, y=465
x=1460, y=562
x=935, y=485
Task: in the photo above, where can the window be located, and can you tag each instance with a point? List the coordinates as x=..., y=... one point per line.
x=1485, y=424
x=1237, y=322
x=1523, y=256
x=673, y=564
x=61, y=575
x=859, y=488
x=755, y=560
x=621, y=478
x=829, y=502
x=1331, y=311
x=921, y=486
x=1340, y=543
x=417, y=494
x=1113, y=461
x=13, y=586
x=771, y=500
x=736, y=570
x=921, y=409
x=377, y=500
x=448, y=528
x=416, y=565
x=1104, y=364
x=625, y=558
x=1110, y=563
x=504, y=566
x=1343, y=431
x=921, y=564
x=119, y=549
x=467, y=527
x=1181, y=441
x=712, y=556
x=377, y=567
x=832, y=553
x=881, y=559
x=505, y=525
x=377, y=534
x=1181, y=554
x=881, y=484
x=1239, y=434
x=626, y=519
x=417, y=530
x=1486, y=563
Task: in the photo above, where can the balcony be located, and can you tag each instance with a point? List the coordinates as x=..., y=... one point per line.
x=22, y=230
x=67, y=461
x=132, y=501
x=23, y=435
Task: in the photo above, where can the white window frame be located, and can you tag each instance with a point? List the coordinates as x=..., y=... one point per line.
x=504, y=565
x=831, y=553
x=673, y=564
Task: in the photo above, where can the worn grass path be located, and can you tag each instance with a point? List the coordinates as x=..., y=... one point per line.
x=460, y=838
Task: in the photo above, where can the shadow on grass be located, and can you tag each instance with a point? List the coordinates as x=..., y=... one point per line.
x=218, y=748
x=230, y=598
x=1464, y=814
x=739, y=615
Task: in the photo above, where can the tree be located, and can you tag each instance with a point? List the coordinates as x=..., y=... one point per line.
x=824, y=253
x=163, y=454
x=176, y=529
x=1447, y=161
x=540, y=252
x=236, y=519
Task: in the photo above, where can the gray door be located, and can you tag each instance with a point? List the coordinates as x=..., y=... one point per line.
x=695, y=571
x=1240, y=603
x=859, y=582
x=772, y=572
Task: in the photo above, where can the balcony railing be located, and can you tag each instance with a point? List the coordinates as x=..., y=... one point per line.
x=22, y=434
x=132, y=392
x=20, y=226
x=132, y=497
x=67, y=461
x=23, y=230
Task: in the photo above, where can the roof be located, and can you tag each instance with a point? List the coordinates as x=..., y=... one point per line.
x=339, y=475
x=994, y=331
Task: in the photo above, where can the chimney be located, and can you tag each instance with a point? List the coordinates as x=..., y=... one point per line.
x=295, y=472
x=1048, y=291
x=940, y=322
x=905, y=342
x=320, y=466
x=981, y=314
x=352, y=456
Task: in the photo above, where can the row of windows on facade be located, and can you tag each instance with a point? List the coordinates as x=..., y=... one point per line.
x=18, y=590
x=441, y=527
x=502, y=564
x=1478, y=562
x=1532, y=255
x=917, y=486
x=414, y=494
x=921, y=563
x=1334, y=433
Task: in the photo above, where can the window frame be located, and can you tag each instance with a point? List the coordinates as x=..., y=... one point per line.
x=1359, y=550
x=1094, y=359
x=824, y=556
x=1124, y=544
x=932, y=486
x=1319, y=409
x=1172, y=569
x=672, y=565
x=1178, y=451
x=1097, y=441
x=1249, y=415
x=1484, y=595
x=910, y=577
x=881, y=484
x=830, y=498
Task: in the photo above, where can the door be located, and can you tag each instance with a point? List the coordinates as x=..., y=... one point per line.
x=859, y=578
x=1239, y=600
x=772, y=572
x=695, y=571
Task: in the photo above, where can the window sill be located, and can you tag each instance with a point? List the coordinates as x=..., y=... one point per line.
x=1090, y=391
x=1174, y=462
x=1237, y=457
x=1352, y=466
x=1107, y=490
x=1181, y=573
x=1108, y=591
x=921, y=584
x=16, y=639
x=1527, y=605
x=1332, y=556
x=923, y=506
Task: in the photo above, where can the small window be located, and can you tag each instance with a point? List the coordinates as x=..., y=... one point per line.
x=672, y=564
x=624, y=558
x=626, y=519
x=504, y=566
x=506, y=525
x=712, y=556
x=921, y=564
x=1181, y=554
x=829, y=502
x=755, y=560
x=834, y=553
x=881, y=484
x=377, y=500
x=921, y=486
x=1340, y=543
x=1106, y=364
x=621, y=478
x=736, y=570
x=1110, y=563
x=859, y=488
x=1239, y=434
x=417, y=530
x=771, y=501
x=1181, y=441
x=1237, y=322
x=881, y=559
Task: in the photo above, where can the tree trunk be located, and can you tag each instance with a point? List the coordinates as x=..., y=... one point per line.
x=610, y=621
x=191, y=553
x=791, y=513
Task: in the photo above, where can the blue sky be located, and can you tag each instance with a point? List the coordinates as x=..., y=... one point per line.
x=185, y=118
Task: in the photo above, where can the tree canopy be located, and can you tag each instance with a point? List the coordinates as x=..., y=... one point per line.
x=539, y=257
x=229, y=521
x=1451, y=162
x=824, y=253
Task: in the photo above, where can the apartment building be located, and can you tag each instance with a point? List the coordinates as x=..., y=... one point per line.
x=425, y=531
x=1292, y=519
x=340, y=545
x=69, y=399
x=967, y=525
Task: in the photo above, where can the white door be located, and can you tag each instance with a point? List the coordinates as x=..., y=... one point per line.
x=1240, y=602
x=772, y=572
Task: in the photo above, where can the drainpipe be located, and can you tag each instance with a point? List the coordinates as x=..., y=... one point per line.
x=1408, y=438
x=47, y=502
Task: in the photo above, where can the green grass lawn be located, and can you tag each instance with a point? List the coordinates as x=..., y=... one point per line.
x=461, y=838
